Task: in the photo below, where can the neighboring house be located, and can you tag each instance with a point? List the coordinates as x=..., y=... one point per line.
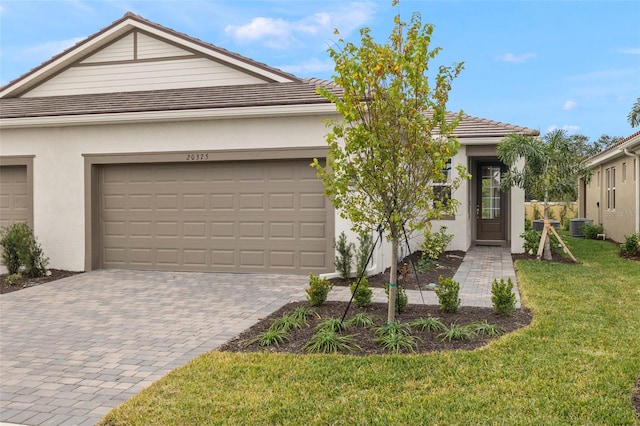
x=611, y=197
x=143, y=148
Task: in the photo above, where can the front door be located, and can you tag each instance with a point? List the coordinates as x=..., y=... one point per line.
x=491, y=202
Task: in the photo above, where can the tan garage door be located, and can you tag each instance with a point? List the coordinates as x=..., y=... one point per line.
x=14, y=195
x=245, y=216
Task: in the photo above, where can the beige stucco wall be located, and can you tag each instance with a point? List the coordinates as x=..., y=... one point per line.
x=58, y=172
x=620, y=221
x=58, y=165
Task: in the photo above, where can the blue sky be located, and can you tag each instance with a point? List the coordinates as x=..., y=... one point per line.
x=540, y=64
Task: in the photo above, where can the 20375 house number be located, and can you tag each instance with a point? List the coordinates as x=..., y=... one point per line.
x=197, y=157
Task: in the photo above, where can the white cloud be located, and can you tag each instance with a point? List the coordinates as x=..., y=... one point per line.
x=516, y=58
x=629, y=50
x=569, y=105
x=278, y=33
x=312, y=67
x=569, y=128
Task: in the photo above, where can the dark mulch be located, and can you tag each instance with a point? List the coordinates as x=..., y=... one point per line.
x=427, y=341
x=446, y=266
x=26, y=282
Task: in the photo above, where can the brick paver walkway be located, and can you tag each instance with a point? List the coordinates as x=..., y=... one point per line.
x=475, y=275
x=73, y=349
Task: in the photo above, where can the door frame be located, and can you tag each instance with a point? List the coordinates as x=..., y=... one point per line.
x=475, y=164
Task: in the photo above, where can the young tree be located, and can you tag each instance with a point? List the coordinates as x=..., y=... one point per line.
x=395, y=135
x=550, y=171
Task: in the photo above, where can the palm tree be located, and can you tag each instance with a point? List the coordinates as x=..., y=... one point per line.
x=551, y=169
x=634, y=114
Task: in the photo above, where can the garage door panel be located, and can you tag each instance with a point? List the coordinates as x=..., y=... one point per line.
x=233, y=216
x=222, y=201
x=222, y=230
x=224, y=259
x=14, y=195
x=313, y=260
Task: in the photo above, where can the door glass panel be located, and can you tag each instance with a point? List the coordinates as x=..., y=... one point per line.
x=490, y=207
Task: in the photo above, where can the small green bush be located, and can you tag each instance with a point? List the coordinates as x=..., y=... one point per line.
x=303, y=313
x=20, y=248
x=318, y=290
x=344, y=257
x=447, y=292
x=401, y=298
x=362, y=295
x=428, y=324
x=333, y=324
x=457, y=332
x=396, y=342
x=15, y=244
x=503, y=297
x=270, y=337
x=365, y=245
x=591, y=231
x=425, y=265
x=361, y=319
x=532, y=240
x=13, y=278
x=435, y=243
x=631, y=245
x=329, y=341
x=289, y=322
x=483, y=328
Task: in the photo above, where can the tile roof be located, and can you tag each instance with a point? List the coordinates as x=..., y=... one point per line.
x=614, y=146
x=163, y=100
x=267, y=94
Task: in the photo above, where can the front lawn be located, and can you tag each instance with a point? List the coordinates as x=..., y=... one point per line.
x=576, y=363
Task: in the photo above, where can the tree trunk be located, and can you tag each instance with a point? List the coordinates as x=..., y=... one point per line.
x=393, y=279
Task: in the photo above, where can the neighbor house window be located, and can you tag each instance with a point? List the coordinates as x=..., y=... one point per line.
x=442, y=188
x=611, y=188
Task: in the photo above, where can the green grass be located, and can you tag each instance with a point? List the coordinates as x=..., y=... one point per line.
x=576, y=364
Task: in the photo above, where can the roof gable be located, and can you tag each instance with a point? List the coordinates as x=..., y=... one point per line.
x=133, y=47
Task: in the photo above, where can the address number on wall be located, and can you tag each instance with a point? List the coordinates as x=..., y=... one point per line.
x=197, y=157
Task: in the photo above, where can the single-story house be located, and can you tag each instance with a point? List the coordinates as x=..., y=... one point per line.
x=611, y=197
x=143, y=148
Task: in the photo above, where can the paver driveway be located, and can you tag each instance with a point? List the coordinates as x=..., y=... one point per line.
x=75, y=348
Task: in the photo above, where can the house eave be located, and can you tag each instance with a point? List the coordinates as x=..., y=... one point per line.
x=632, y=145
x=165, y=116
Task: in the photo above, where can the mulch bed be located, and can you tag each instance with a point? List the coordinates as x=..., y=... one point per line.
x=26, y=282
x=446, y=266
x=427, y=341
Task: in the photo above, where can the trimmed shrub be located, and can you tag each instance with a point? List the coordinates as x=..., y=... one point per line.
x=362, y=294
x=435, y=243
x=447, y=292
x=318, y=290
x=20, y=248
x=631, y=245
x=344, y=256
x=591, y=231
x=503, y=297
